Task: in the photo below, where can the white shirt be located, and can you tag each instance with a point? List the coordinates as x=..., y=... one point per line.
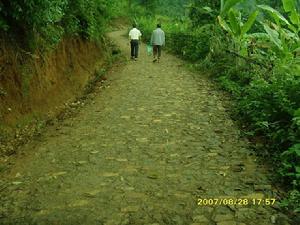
x=135, y=34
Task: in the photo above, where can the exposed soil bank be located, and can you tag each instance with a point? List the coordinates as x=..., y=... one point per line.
x=35, y=86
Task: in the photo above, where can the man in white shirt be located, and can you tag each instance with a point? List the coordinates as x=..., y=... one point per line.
x=157, y=41
x=134, y=36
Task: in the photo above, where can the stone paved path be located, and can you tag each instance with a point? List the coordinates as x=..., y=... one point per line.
x=151, y=143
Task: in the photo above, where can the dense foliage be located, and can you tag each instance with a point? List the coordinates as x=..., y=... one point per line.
x=40, y=23
x=269, y=94
x=252, y=48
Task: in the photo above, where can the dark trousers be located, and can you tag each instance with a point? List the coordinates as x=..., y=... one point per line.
x=134, y=48
x=157, y=51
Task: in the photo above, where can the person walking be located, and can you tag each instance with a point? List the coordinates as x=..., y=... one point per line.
x=134, y=36
x=157, y=41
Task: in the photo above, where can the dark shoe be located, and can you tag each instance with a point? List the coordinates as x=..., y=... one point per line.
x=154, y=60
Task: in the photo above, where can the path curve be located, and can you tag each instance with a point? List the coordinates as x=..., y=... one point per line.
x=149, y=145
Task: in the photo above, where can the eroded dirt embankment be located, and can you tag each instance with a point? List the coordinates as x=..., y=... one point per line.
x=36, y=86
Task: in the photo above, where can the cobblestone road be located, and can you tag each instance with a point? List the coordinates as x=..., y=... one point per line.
x=150, y=149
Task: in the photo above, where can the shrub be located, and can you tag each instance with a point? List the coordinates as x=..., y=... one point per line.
x=43, y=23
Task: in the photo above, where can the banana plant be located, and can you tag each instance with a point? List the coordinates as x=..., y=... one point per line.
x=284, y=33
x=230, y=20
x=236, y=27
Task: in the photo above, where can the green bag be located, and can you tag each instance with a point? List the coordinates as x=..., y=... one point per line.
x=149, y=49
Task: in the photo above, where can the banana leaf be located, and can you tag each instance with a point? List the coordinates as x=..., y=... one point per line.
x=288, y=5
x=294, y=17
x=224, y=25
x=274, y=36
x=275, y=14
x=234, y=23
x=227, y=5
x=247, y=26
